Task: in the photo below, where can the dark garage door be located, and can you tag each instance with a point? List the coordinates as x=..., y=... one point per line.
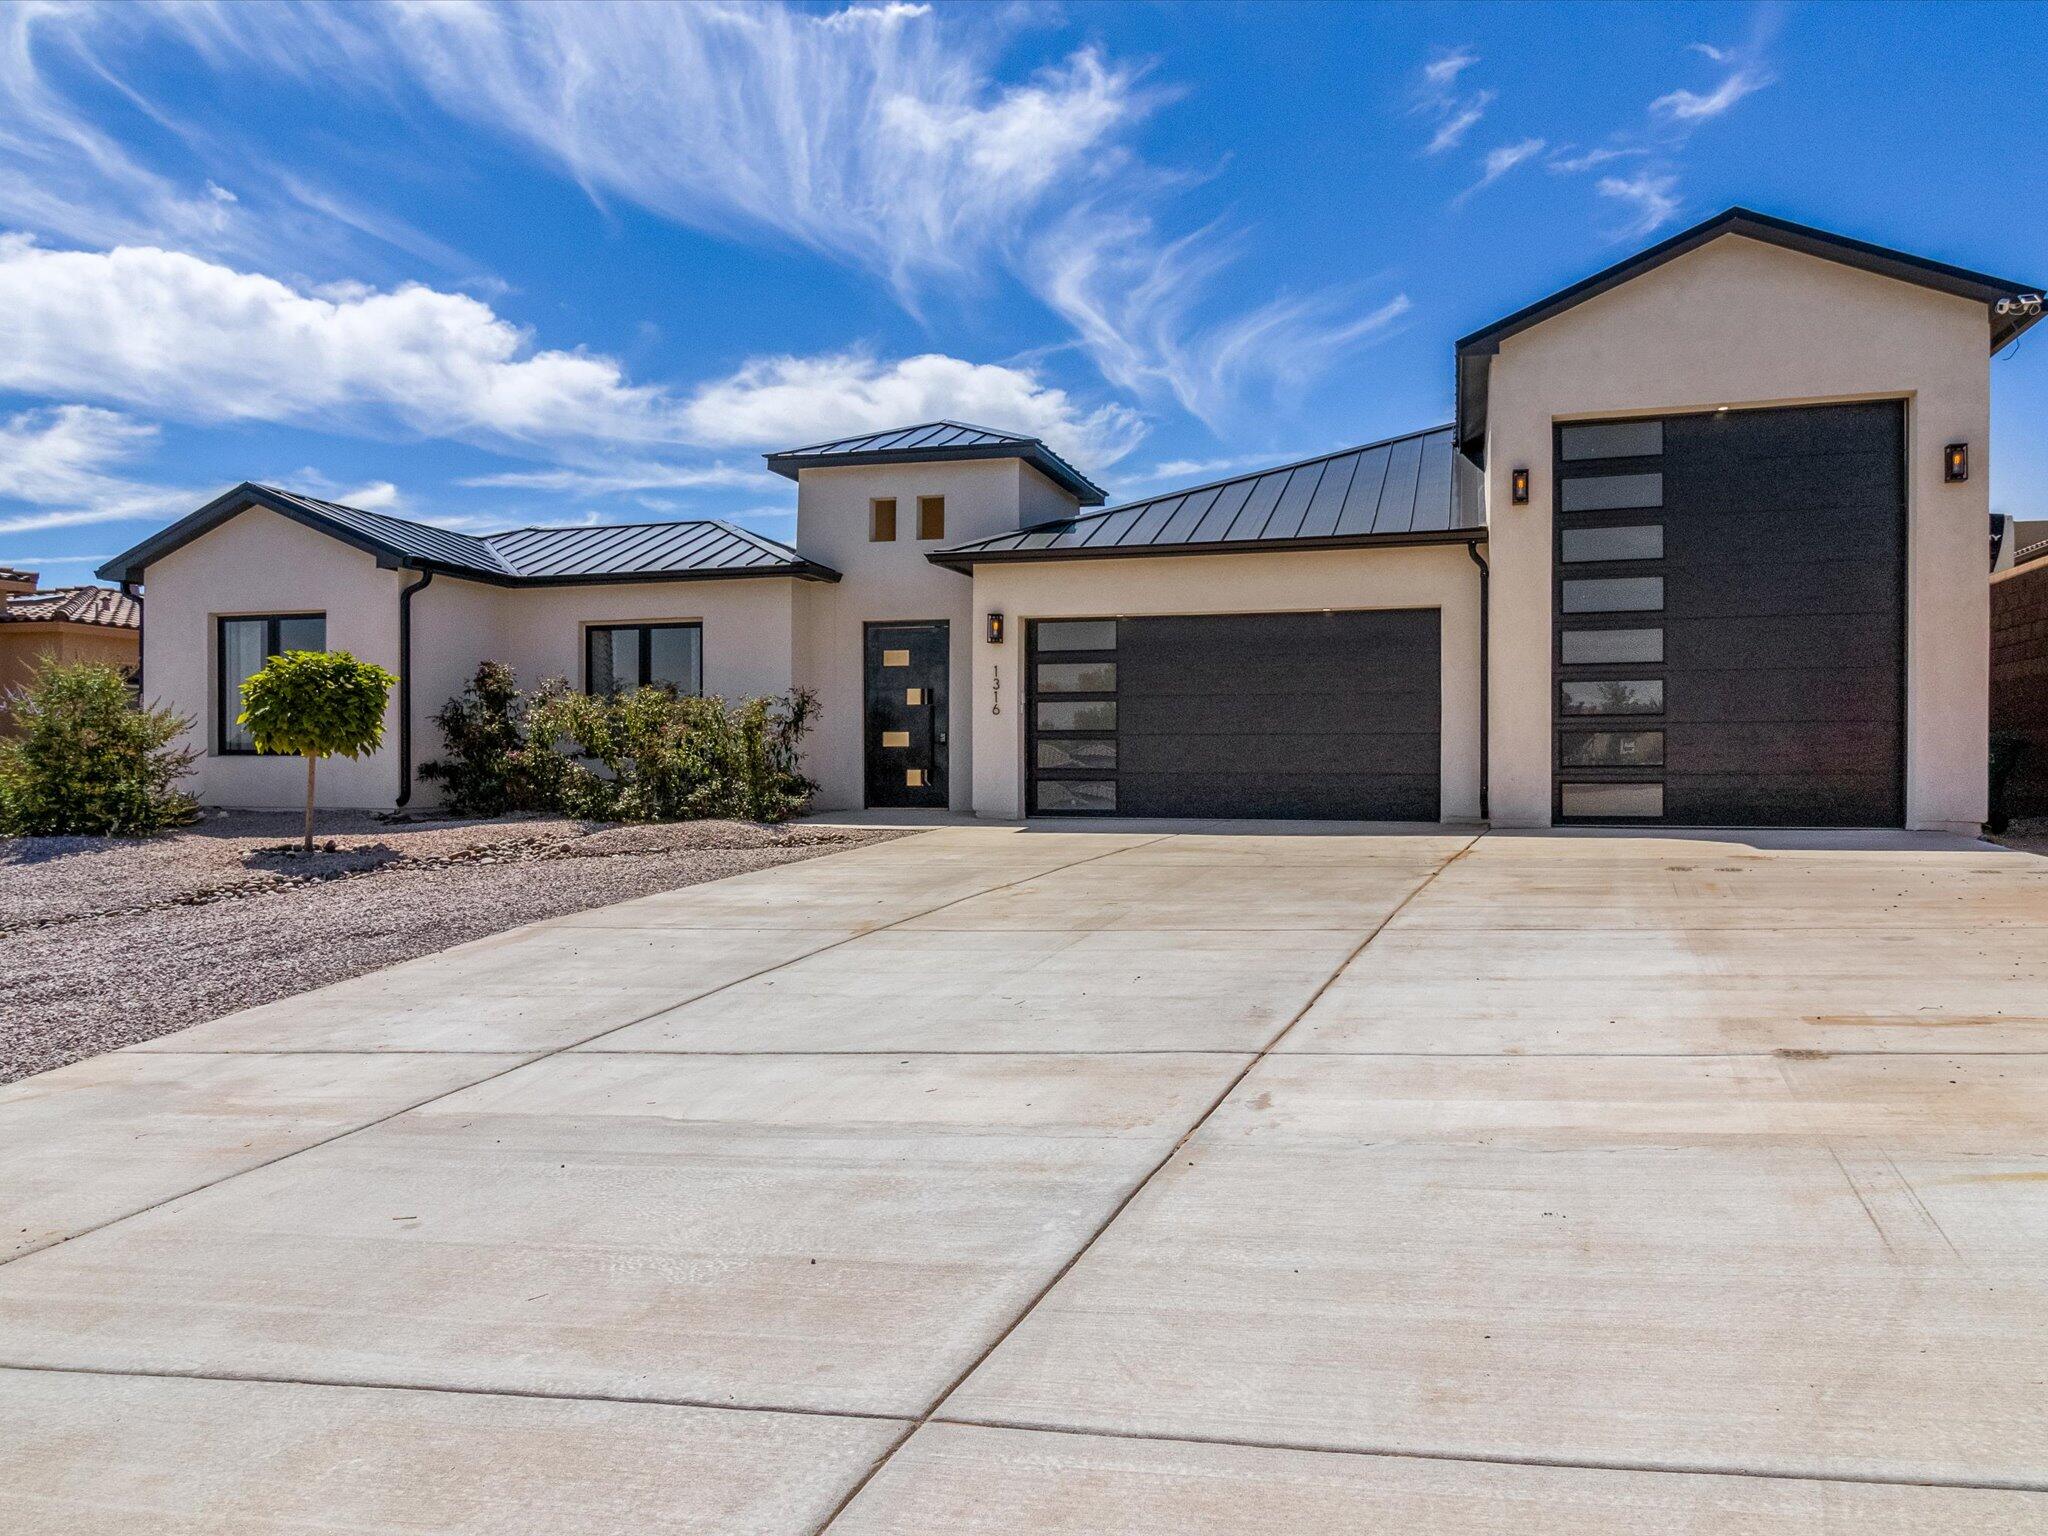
x=1730, y=631
x=1326, y=715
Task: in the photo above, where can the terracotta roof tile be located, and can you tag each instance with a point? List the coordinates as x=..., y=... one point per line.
x=102, y=606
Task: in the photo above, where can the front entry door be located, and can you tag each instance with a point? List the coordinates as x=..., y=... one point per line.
x=905, y=732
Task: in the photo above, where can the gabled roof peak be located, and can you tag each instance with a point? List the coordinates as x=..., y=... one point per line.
x=937, y=442
x=1475, y=350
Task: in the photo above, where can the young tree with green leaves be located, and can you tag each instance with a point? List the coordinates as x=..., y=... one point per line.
x=315, y=704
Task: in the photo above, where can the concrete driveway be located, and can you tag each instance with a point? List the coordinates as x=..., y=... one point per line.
x=1063, y=1182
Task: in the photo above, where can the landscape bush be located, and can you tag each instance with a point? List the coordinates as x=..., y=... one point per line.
x=647, y=754
x=82, y=757
x=481, y=731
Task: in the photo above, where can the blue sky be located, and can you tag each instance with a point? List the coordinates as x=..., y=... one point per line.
x=490, y=267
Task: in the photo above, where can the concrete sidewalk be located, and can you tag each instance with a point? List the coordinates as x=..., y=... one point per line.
x=1130, y=1179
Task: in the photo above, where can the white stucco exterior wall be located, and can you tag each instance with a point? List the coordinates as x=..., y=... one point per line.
x=1441, y=576
x=1741, y=323
x=261, y=563
x=894, y=583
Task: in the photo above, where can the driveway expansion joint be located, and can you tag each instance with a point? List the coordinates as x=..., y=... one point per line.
x=1138, y=1188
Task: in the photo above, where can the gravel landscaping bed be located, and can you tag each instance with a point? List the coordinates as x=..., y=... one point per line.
x=2027, y=833
x=110, y=941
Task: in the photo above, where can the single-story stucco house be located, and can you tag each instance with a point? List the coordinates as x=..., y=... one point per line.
x=1705, y=545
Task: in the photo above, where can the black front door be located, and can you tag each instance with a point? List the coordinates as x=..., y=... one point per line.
x=905, y=732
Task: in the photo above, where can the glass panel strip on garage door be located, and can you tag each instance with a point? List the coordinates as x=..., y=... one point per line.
x=1608, y=677
x=1070, y=700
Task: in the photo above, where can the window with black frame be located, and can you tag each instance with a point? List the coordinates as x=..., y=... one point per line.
x=621, y=657
x=244, y=644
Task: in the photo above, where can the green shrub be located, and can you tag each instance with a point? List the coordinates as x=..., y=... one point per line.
x=481, y=729
x=85, y=759
x=315, y=704
x=646, y=755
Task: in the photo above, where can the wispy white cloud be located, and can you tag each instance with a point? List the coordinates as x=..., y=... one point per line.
x=1567, y=160
x=1438, y=98
x=66, y=176
x=1443, y=70
x=62, y=461
x=1451, y=132
x=1651, y=198
x=1500, y=161
x=1136, y=304
x=1718, y=55
x=1684, y=106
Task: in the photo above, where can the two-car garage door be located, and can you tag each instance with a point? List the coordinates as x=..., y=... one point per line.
x=1325, y=715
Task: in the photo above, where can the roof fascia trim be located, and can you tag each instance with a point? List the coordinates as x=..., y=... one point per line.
x=965, y=560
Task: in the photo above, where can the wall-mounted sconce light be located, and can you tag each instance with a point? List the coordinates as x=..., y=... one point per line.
x=1518, y=487
x=1955, y=462
x=995, y=629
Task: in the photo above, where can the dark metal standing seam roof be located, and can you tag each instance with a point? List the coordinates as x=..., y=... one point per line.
x=1400, y=491
x=1476, y=350
x=602, y=552
x=938, y=441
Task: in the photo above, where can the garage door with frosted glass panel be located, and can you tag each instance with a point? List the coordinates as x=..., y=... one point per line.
x=1313, y=715
x=1730, y=627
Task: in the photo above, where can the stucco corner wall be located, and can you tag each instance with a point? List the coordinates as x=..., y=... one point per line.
x=1443, y=577
x=260, y=563
x=1741, y=323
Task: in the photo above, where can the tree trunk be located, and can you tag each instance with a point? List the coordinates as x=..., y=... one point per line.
x=310, y=761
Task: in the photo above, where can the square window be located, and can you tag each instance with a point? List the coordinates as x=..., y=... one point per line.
x=1076, y=634
x=931, y=517
x=1610, y=647
x=1611, y=749
x=1613, y=696
x=882, y=520
x=1077, y=677
x=1616, y=594
x=1619, y=800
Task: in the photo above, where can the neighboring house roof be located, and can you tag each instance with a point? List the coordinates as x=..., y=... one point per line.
x=1400, y=491
x=938, y=440
x=103, y=607
x=1475, y=350
x=700, y=549
x=9, y=573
